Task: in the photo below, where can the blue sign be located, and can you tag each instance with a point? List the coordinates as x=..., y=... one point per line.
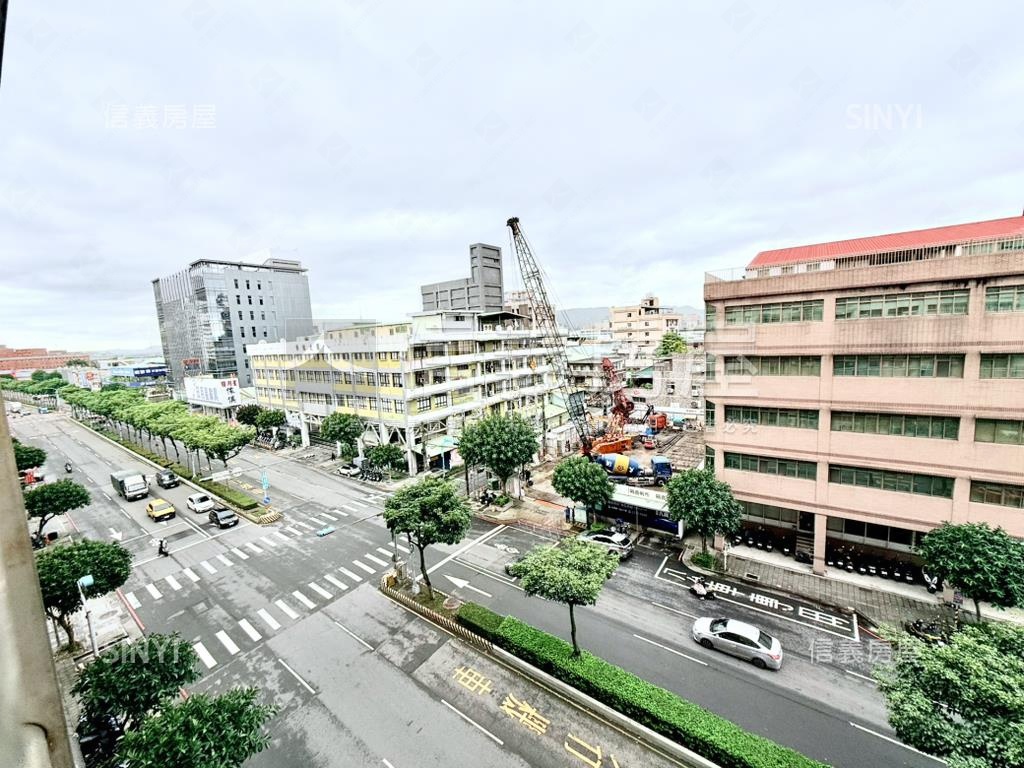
x=264, y=480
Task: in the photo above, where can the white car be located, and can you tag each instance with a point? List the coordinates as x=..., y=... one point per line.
x=740, y=639
x=200, y=503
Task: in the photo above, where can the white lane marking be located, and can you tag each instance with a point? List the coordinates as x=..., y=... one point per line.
x=227, y=642
x=357, y=503
x=239, y=553
x=671, y=650
x=339, y=512
x=320, y=590
x=285, y=609
x=897, y=742
x=404, y=549
x=862, y=677
x=365, y=567
x=191, y=574
x=270, y=620
x=269, y=541
x=351, y=634
x=674, y=610
x=385, y=552
x=254, y=548
x=293, y=529
x=664, y=560
x=329, y=516
x=353, y=576
x=377, y=560
x=386, y=763
x=225, y=560
x=247, y=628
x=208, y=567
x=473, y=722
x=133, y=601
x=204, y=655
x=478, y=540
x=107, y=497
x=295, y=674
x=153, y=591
x=336, y=582
x=304, y=525
x=303, y=599
x=172, y=583
x=318, y=521
x=350, y=509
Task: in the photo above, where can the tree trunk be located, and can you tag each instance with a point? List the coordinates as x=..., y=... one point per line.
x=423, y=570
x=977, y=609
x=467, y=480
x=69, y=630
x=177, y=456
x=572, y=623
x=42, y=522
x=704, y=543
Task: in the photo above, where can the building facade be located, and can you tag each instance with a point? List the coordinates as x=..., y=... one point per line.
x=213, y=396
x=482, y=291
x=209, y=312
x=415, y=383
x=21, y=363
x=674, y=384
x=863, y=392
x=643, y=325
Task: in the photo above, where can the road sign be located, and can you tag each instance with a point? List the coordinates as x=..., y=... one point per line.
x=264, y=480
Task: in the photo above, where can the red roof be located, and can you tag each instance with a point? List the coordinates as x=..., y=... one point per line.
x=898, y=241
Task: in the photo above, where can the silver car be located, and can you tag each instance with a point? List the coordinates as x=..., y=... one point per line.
x=740, y=639
x=619, y=543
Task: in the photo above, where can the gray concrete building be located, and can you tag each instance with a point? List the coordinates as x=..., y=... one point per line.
x=482, y=291
x=211, y=310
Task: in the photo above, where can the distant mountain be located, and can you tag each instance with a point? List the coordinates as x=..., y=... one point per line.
x=585, y=317
x=100, y=354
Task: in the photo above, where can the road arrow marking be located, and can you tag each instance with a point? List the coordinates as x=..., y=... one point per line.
x=463, y=584
x=115, y=534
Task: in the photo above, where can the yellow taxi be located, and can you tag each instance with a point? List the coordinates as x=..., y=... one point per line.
x=159, y=509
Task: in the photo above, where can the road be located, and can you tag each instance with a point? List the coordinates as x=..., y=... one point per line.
x=357, y=679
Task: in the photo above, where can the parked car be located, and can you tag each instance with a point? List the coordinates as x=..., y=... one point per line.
x=619, y=543
x=223, y=517
x=165, y=478
x=200, y=502
x=649, y=442
x=348, y=470
x=739, y=639
x=160, y=509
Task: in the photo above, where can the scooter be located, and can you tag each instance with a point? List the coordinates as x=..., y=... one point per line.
x=700, y=590
x=67, y=467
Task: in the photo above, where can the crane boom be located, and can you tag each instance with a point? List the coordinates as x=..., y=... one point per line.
x=544, y=316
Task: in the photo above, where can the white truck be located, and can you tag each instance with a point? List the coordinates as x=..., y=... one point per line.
x=130, y=485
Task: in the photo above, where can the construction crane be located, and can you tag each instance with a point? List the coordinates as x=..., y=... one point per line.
x=544, y=317
x=614, y=440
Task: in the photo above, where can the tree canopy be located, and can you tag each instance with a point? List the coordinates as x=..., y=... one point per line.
x=60, y=568
x=27, y=456
x=345, y=428
x=962, y=701
x=982, y=562
x=583, y=481
x=502, y=442
x=271, y=419
x=51, y=499
x=428, y=512
x=248, y=414
x=573, y=572
x=132, y=679
x=201, y=732
x=671, y=344
x=387, y=455
x=705, y=503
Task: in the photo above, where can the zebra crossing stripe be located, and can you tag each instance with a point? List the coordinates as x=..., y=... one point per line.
x=351, y=509
x=320, y=590
x=357, y=503
x=153, y=591
x=208, y=567
x=384, y=552
x=227, y=642
x=304, y=525
x=303, y=599
x=133, y=601
x=268, y=540
x=293, y=529
x=191, y=574
x=271, y=621
x=336, y=582
x=225, y=560
x=328, y=515
x=254, y=548
x=376, y=560
x=239, y=553
x=280, y=535
x=339, y=512
x=404, y=549
x=351, y=575
x=318, y=521
x=248, y=629
x=365, y=567
x=204, y=655
x=172, y=583
x=286, y=609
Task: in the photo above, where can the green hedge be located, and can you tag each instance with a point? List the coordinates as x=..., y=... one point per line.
x=483, y=621
x=685, y=723
x=238, y=498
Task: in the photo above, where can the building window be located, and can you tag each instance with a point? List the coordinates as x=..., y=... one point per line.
x=253, y=330
x=1002, y=366
x=396, y=380
x=771, y=417
x=768, y=465
x=242, y=329
x=399, y=406
x=1001, y=494
x=709, y=367
x=709, y=317
x=783, y=312
x=250, y=300
x=236, y=284
x=1002, y=431
x=709, y=414
x=941, y=427
x=709, y=457
x=264, y=333
x=903, y=305
x=441, y=401
x=901, y=366
x=238, y=299
x=423, y=404
x=252, y=315
x=259, y=286
x=885, y=480
x=773, y=366
x=240, y=315
x=1004, y=298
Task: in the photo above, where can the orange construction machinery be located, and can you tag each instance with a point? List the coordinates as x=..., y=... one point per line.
x=614, y=440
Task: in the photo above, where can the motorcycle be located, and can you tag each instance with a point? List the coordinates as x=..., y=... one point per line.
x=927, y=631
x=700, y=590
x=67, y=467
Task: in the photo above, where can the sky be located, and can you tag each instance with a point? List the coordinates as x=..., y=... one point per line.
x=641, y=144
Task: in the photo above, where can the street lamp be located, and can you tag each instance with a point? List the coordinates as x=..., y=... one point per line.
x=84, y=583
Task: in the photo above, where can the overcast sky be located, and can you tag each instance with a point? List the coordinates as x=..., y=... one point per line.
x=640, y=143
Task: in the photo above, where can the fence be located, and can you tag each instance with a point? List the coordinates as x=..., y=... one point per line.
x=387, y=587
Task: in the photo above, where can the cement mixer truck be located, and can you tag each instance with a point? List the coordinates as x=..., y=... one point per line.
x=626, y=469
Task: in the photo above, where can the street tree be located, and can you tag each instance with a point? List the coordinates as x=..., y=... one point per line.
x=52, y=499
x=572, y=572
x=224, y=442
x=248, y=414
x=501, y=442
x=131, y=680
x=706, y=504
x=27, y=456
x=41, y=375
x=982, y=562
x=202, y=731
x=671, y=344
x=962, y=701
x=78, y=363
x=60, y=568
x=388, y=455
x=584, y=481
x=428, y=512
x=271, y=419
x=344, y=428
